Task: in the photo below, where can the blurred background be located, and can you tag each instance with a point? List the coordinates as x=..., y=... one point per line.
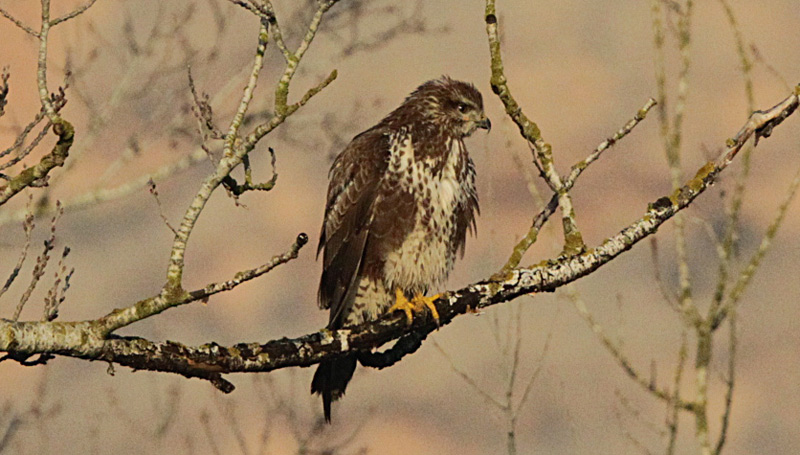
x=579, y=68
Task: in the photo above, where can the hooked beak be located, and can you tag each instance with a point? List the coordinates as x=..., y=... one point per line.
x=484, y=123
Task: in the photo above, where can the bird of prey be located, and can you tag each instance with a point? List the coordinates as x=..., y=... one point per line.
x=400, y=202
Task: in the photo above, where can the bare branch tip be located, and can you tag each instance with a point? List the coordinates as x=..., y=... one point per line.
x=302, y=239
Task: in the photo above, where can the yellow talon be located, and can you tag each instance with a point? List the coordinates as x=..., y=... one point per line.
x=416, y=305
x=421, y=300
x=402, y=303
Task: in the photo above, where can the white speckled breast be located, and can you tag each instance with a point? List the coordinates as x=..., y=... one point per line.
x=425, y=258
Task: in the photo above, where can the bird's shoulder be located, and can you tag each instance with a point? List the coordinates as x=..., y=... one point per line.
x=354, y=179
x=367, y=151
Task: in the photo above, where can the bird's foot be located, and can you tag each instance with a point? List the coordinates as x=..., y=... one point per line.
x=421, y=301
x=415, y=305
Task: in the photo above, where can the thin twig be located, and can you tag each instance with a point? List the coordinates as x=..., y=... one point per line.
x=536, y=372
x=542, y=151
x=235, y=189
x=673, y=409
x=19, y=23
x=28, y=149
x=99, y=195
x=730, y=237
x=495, y=403
x=27, y=226
x=746, y=275
x=620, y=357
x=277, y=33
x=209, y=432
x=59, y=101
x=4, y=76
x=224, y=167
x=637, y=416
x=673, y=151
x=154, y=192
x=74, y=13
x=23, y=134
x=233, y=156
x=247, y=96
x=666, y=294
x=39, y=268
x=580, y=166
x=758, y=57
x=575, y=171
x=57, y=293
x=127, y=316
x=41, y=73
x=730, y=382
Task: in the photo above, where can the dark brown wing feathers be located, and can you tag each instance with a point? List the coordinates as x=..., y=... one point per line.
x=355, y=178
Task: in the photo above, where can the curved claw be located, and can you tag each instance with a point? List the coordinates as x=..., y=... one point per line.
x=401, y=303
x=420, y=301
x=415, y=305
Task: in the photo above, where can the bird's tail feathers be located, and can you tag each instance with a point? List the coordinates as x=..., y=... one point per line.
x=331, y=378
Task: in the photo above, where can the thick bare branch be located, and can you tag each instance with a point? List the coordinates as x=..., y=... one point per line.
x=90, y=339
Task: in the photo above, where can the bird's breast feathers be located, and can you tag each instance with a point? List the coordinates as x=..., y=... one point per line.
x=438, y=184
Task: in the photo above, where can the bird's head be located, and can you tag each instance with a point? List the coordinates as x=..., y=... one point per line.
x=454, y=105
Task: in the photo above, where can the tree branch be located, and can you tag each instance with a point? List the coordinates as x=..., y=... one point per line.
x=56, y=158
x=542, y=151
x=90, y=340
x=235, y=150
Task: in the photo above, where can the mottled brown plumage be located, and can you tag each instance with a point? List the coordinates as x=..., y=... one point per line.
x=400, y=202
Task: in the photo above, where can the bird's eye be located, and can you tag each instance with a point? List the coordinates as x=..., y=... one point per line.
x=462, y=107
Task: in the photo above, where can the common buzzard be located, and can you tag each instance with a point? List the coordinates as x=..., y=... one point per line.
x=400, y=201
